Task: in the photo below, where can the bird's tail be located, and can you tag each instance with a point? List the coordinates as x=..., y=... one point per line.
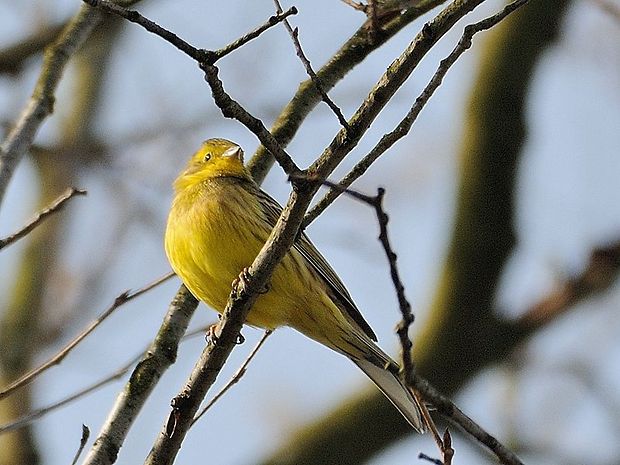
x=395, y=391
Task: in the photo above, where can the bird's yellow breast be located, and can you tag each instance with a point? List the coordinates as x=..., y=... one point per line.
x=209, y=241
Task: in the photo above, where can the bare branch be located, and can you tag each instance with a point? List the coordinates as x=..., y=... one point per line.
x=359, y=46
x=359, y=6
x=279, y=17
x=52, y=208
x=117, y=374
x=403, y=128
x=206, y=59
x=231, y=109
x=41, y=102
x=199, y=55
x=122, y=299
x=160, y=355
x=600, y=273
x=450, y=411
x=36, y=414
x=236, y=377
x=432, y=460
x=294, y=33
x=151, y=26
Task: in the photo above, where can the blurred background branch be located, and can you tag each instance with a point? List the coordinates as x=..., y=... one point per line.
x=22, y=326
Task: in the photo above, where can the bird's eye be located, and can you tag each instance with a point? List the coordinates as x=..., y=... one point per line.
x=207, y=157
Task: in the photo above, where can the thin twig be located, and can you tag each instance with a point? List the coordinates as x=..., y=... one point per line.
x=352, y=52
x=405, y=307
x=430, y=423
x=14, y=57
x=122, y=299
x=231, y=109
x=359, y=6
x=36, y=414
x=199, y=55
x=432, y=460
x=52, y=208
x=450, y=411
x=206, y=59
x=236, y=377
x=403, y=128
x=600, y=273
x=117, y=374
x=279, y=17
x=135, y=17
x=294, y=33
x=83, y=439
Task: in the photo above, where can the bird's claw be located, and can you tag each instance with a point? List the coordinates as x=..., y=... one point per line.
x=211, y=335
x=240, y=283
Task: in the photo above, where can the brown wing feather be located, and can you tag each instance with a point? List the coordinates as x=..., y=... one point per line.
x=304, y=246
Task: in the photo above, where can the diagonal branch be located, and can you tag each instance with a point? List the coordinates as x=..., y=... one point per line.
x=13, y=57
x=199, y=55
x=206, y=59
x=41, y=102
x=294, y=33
x=404, y=126
x=160, y=355
x=235, y=377
x=359, y=46
x=117, y=374
x=122, y=299
x=52, y=208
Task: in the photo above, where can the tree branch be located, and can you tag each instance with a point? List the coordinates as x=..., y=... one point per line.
x=235, y=377
x=350, y=54
x=12, y=58
x=294, y=33
x=160, y=355
x=52, y=208
x=41, y=103
x=403, y=128
x=122, y=299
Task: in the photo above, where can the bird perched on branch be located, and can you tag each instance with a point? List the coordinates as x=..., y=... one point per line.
x=219, y=221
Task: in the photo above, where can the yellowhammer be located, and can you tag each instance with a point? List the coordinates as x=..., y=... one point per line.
x=218, y=223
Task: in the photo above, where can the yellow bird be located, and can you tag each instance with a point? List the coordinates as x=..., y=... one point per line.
x=218, y=223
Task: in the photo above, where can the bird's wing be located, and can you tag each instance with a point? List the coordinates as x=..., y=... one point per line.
x=306, y=248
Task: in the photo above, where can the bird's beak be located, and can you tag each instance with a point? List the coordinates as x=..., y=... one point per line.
x=235, y=152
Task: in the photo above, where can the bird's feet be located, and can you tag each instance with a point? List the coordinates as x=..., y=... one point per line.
x=211, y=335
x=241, y=283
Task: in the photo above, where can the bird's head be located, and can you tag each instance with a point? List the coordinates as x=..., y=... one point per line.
x=215, y=158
